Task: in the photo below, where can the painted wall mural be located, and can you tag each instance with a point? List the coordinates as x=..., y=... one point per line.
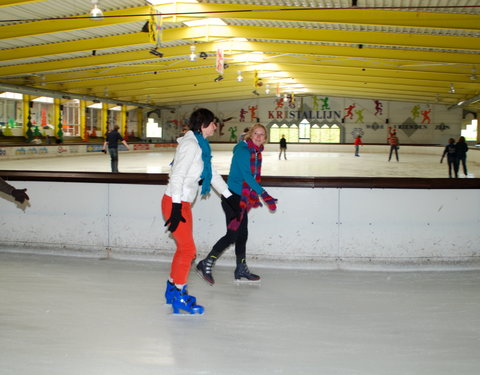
x=343, y=117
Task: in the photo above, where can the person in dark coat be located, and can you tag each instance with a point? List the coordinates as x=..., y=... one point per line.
x=461, y=149
x=451, y=154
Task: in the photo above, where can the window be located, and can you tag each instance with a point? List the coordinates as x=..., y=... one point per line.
x=274, y=133
x=330, y=134
x=11, y=110
x=292, y=134
x=304, y=132
x=71, y=118
x=154, y=129
x=315, y=134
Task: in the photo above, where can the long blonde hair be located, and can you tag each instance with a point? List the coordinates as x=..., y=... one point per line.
x=252, y=130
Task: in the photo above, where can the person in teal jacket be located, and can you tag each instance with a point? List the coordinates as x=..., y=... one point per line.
x=244, y=183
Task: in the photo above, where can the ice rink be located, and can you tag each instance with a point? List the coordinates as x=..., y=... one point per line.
x=78, y=316
x=88, y=316
x=318, y=164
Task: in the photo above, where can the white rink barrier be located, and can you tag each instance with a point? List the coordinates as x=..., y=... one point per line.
x=331, y=228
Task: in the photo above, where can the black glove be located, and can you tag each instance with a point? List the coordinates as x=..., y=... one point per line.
x=175, y=217
x=20, y=195
x=231, y=206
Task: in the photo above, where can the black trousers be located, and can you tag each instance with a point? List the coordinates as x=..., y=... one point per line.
x=238, y=237
x=452, y=165
x=462, y=160
x=392, y=148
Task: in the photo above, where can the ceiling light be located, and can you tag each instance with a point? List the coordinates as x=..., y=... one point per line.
x=267, y=89
x=205, y=22
x=473, y=77
x=193, y=56
x=452, y=89
x=162, y=2
x=239, y=77
x=96, y=14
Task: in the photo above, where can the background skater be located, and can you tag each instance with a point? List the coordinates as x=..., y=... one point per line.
x=283, y=148
x=112, y=139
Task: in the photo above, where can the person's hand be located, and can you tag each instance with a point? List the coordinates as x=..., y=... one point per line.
x=175, y=217
x=20, y=195
x=233, y=207
x=271, y=202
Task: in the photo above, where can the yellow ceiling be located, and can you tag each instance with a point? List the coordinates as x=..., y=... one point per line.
x=380, y=49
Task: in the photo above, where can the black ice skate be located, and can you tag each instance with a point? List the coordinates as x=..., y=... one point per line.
x=242, y=273
x=204, y=269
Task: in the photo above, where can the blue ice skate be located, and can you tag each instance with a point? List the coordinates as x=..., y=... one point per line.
x=182, y=301
x=169, y=292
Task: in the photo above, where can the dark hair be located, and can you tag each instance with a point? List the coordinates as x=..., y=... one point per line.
x=199, y=118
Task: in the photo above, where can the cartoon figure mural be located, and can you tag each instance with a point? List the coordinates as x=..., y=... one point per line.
x=349, y=110
x=279, y=103
x=291, y=100
x=221, y=124
x=253, y=112
x=415, y=111
x=325, y=104
x=243, y=112
x=378, y=107
x=426, y=116
x=359, y=113
x=315, y=103
x=233, y=134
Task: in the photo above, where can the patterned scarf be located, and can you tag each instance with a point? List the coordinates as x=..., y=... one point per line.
x=206, y=176
x=249, y=198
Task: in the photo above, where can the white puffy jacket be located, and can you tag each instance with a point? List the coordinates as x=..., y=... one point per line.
x=187, y=169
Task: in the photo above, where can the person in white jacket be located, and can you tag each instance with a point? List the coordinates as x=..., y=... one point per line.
x=191, y=168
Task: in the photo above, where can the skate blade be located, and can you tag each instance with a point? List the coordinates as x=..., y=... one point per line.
x=200, y=275
x=247, y=282
x=183, y=313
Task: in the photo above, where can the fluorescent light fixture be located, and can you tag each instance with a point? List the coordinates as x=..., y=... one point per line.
x=95, y=105
x=117, y=108
x=193, y=56
x=205, y=22
x=254, y=57
x=43, y=99
x=11, y=95
x=163, y=2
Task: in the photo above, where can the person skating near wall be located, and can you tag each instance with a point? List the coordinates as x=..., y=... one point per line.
x=20, y=195
x=461, y=149
x=112, y=139
x=451, y=154
x=283, y=148
x=191, y=168
x=244, y=183
x=357, y=142
x=393, y=142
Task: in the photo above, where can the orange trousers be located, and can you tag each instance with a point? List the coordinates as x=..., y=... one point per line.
x=183, y=236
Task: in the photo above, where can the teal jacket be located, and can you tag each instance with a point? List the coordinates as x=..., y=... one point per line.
x=240, y=170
